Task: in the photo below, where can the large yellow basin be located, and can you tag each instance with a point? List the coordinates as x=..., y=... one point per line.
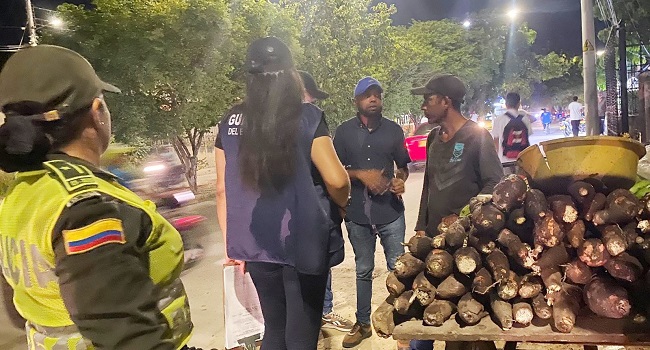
x=554, y=164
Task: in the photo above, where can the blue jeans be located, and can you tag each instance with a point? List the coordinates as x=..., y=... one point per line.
x=363, y=239
x=328, y=305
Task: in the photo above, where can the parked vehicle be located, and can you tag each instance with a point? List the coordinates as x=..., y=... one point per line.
x=486, y=122
x=417, y=143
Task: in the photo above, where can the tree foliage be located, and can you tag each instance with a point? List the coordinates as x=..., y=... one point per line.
x=559, y=91
x=179, y=62
x=636, y=14
x=352, y=41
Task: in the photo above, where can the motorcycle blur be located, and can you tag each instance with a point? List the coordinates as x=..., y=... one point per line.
x=193, y=251
x=163, y=184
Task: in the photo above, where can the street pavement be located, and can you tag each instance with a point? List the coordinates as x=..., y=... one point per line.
x=204, y=282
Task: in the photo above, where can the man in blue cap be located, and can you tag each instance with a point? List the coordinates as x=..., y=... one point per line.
x=371, y=147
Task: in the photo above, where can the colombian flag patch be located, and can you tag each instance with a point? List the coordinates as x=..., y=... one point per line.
x=94, y=235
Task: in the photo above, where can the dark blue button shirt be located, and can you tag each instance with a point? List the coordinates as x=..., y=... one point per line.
x=381, y=148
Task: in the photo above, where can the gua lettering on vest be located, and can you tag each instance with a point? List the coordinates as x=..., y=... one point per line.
x=234, y=124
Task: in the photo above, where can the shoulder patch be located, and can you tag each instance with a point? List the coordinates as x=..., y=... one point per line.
x=74, y=177
x=97, y=234
x=82, y=197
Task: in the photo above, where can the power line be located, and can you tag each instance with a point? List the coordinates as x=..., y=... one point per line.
x=43, y=8
x=636, y=29
x=602, y=10
x=612, y=12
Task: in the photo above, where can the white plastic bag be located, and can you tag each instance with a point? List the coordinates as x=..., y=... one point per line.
x=643, y=168
x=244, y=323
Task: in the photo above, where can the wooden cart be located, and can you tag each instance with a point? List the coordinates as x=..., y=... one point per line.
x=590, y=331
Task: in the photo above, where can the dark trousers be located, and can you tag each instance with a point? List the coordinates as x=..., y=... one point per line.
x=602, y=124
x=292, y=305
x=575, y=125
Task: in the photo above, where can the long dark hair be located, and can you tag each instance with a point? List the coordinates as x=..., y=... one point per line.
x=270, y=126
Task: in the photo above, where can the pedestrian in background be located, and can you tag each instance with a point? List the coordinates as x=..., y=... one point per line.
x=371, y=146
x=602, y=110
x=276, y=220
x=461, y=163
x=331, y=320
x=511, y=130
x=575, y=115
x=101, y=268
x=546, y=120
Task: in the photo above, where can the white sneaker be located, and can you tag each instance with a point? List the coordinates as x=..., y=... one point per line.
x=335, y=321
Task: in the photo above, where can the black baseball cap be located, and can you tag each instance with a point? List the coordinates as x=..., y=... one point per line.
x=311, y=86
x=57, y=78
x=268, y=55
x=444, y=85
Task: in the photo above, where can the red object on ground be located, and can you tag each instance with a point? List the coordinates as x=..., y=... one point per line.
x=187, y=222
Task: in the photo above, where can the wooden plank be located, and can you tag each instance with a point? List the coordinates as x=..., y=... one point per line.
x=589, y=329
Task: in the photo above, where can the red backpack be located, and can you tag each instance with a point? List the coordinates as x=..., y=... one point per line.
x=515, y=136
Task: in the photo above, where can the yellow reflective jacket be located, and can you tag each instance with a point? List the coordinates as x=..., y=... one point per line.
x=28, y=216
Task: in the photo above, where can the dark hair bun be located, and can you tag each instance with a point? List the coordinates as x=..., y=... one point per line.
x=23, y=145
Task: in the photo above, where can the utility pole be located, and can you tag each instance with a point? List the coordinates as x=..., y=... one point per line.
x=31, y=26
x=622, y=71
x=589, y=72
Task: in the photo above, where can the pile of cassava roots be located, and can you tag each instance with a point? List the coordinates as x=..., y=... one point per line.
x=522, y=254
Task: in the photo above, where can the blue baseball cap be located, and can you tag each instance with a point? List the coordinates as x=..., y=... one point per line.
x=366, y=83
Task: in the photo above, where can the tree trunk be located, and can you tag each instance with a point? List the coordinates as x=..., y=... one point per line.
x=611, y=83
x=191, y=174
x=189, y=156
x=416, y=120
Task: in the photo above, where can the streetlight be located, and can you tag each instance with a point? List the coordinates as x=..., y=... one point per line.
x=56, y=22
x=599, y=53
x=467, y=23
x=513, y=13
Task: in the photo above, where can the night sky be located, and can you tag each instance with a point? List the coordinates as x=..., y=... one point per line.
x=557, y=22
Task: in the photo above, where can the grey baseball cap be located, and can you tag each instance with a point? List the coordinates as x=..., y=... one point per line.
x=57, y=78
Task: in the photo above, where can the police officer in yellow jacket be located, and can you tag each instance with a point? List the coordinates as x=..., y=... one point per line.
x=91, y=264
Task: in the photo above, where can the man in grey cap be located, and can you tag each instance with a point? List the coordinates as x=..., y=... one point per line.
x=331, y=320
x=461, y=160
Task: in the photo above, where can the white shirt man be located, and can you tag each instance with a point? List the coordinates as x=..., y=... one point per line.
x=575, y=110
